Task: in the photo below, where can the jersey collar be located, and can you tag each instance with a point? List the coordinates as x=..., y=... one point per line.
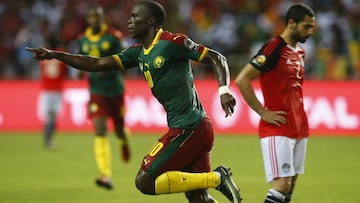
x=154, y=42
x=96, y=37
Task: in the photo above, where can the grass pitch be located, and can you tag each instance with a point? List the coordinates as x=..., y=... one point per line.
x=31, y=174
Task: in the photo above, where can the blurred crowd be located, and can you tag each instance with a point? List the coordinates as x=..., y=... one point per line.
x=234, y=27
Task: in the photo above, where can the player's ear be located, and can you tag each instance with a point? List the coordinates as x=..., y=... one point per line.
x=291, y=23
x=151, y=21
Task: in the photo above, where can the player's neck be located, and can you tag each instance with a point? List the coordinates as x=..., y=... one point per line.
x=149, y=38
x=286, y=35
x=95, y=30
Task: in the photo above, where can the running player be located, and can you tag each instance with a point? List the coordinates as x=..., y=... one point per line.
x=106, y=93
x=180, y=159
x=283, y=126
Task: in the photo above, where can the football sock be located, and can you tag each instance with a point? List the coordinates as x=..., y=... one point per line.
x=274, y=196
x=288, y=197
x=48, y=131
x=176, y=181
x=103, y=155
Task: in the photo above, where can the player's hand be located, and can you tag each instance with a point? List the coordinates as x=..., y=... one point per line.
x=41, y=53
x=227, y=102
x=274, y=117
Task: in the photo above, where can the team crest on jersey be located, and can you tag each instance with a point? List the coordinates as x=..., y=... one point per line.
x=191, y=44
x=259, y=60
x=159, y=61
x=105, y=46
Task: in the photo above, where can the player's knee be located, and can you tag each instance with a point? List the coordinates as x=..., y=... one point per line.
x=100, y=130
x=145, y=184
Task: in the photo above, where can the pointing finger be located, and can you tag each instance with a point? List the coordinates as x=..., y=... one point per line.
x=30, y=49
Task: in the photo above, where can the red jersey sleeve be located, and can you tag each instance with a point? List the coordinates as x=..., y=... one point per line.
x=267, y=57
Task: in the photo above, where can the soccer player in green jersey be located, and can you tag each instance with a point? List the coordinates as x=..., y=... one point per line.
x=180, y=159
x=106, y=92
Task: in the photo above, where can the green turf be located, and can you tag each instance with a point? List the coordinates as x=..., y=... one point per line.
x=29, y=173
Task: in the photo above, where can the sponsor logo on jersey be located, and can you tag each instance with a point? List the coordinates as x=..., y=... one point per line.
x=191, y=45
x=259, y=60
x=159, y=61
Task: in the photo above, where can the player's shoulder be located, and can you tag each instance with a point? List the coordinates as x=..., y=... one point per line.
x=133, y=47
x=116, y=33
x=176, y=38
x=273, y=44
x=275, y=41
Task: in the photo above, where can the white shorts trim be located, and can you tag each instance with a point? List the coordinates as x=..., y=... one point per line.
x=283, y=156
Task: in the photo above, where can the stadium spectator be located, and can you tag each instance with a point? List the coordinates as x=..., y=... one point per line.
x=180, y=159
x=252, y=22
x=283, y=127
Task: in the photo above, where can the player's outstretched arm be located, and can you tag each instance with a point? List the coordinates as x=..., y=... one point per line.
x=81, y=62
x=221, y=69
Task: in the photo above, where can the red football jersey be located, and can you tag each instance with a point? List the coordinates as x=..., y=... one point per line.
x=53, y=73
x=281, y=82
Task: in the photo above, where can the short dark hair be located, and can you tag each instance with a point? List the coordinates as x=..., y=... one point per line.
x=297, y=12
x=155, y=9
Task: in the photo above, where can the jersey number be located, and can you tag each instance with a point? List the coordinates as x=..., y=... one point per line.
x=148, y=77
x=298, y=69
x=156, y=148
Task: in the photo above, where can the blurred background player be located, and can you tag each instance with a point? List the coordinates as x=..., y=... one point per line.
x=106, y=92
x=52, y=76
x=283, y=128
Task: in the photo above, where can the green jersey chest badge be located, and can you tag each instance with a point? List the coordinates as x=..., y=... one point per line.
x=159, y=61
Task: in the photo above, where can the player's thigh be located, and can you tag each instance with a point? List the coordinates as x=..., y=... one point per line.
x=278, y=156
x=116, y=109
x=56, y=102
x=43, y=103
x=49, y=104
x=98, y=106
x=300, y=155
x=179, y=149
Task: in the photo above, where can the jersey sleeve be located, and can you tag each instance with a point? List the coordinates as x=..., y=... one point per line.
x=268, y=55
x=127, y=58
x=195, y=51
x=190, y=49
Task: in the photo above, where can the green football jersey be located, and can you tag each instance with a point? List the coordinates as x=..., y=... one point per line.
x=167, y=69
x=106, y=43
